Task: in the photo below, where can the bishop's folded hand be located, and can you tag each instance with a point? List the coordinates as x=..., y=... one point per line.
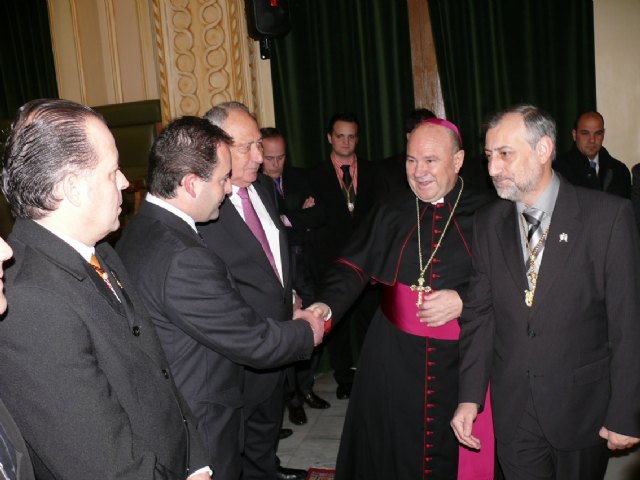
x=440, y=307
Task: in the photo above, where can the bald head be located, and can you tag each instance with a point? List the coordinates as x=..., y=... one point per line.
x=433, y=161
x=588, y=133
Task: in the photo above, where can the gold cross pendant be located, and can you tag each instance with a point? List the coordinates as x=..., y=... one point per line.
x=420, y=288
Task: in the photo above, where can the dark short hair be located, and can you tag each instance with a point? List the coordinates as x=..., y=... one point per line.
x=592, y=112
x=271, y=132
x=47, y=141
x=218, y=114
x=537, y=122
x=187, y=145
x=342, y=117
x=415, y=117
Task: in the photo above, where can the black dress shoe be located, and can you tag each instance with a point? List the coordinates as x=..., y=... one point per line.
x=285, y=433
x=314, y=401
x=343, y=391
x=297, y=415
x=285, y=473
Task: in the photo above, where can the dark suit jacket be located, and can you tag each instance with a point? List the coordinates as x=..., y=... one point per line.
x=230, y=239
x=296, y=189
x=340, y=224
x=613, y=175
x=576, y=350
x=206, y=328
x=24, y=468
x=85, y=376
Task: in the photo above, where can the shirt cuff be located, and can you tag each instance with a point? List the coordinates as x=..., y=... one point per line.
x=201, y=470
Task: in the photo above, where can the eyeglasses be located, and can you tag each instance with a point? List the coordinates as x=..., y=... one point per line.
x=246, y=147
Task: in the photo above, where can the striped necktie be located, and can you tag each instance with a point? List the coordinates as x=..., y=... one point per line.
x=533, y=217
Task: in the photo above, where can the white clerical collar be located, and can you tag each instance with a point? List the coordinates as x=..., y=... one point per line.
x=441, y=200
x=170, y=208
x=85, y=251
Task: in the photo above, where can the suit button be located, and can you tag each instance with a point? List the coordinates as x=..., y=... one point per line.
x=531, y=333
x=136, y=331
x=165, y=372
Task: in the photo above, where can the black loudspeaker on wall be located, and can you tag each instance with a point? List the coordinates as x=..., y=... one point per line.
x=267, y=18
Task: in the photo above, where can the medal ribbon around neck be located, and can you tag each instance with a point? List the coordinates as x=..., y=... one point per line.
x=420, y=288
x=533, y=254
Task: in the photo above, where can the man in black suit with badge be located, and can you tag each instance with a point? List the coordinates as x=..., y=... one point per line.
x=207, y=330
x=345, y=188
x=251, y=240
x=83, y=372
x=300, y=216
x=551, y=318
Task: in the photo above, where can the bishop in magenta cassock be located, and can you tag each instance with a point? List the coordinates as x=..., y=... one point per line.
x=417, y=244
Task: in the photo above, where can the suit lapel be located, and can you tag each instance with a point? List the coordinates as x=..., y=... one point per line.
x=564, y=225
x=509, y=238
x=238, y=229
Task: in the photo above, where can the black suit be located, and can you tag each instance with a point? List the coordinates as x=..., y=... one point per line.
x=230, y=239
x=295, y=189
x=575, y=352
x=328, y=244
x=11, y=438
x=84, y=375
x=206, y=328
x=613, y=175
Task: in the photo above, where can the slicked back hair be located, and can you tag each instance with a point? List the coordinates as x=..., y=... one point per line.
x=187, y=145
x=218, y=114
x=47, y=141
x=537, y=122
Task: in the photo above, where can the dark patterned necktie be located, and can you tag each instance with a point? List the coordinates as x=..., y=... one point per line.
x=533, y=217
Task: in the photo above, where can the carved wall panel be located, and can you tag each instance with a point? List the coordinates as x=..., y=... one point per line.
x=205, y=56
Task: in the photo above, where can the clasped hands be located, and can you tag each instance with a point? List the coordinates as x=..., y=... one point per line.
x=315, y=315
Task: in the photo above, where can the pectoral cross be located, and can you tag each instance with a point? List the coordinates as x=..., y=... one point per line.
x=420, y=288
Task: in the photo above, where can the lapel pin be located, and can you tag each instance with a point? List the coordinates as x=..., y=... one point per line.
x=564, y=237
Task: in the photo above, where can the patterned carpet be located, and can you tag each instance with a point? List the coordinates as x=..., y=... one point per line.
x=320, y=474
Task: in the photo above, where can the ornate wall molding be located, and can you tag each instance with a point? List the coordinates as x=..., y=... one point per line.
x=206, y=57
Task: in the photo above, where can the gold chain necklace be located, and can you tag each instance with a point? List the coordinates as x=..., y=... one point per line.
x=533, y=254
x=420, y=288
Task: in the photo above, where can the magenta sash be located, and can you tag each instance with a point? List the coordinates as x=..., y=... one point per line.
x=399, y=306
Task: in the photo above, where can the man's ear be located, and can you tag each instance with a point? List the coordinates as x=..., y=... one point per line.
x=574, y=134
x=458, y=160
x=329, y=138
x=190, y=183
x=72, y=187
x=544, y=149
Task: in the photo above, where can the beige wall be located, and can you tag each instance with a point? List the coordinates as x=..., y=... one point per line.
x=189, y=54
x=103, y=50
x=617, y=37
